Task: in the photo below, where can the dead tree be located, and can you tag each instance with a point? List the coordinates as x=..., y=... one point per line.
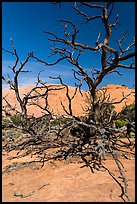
x=94, y=137
x=71, y=50
x=68, y=48
x=28, y=123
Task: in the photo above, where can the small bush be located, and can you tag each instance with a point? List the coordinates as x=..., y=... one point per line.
x=132, y=134
x=130, y=107
x=16, y=119
x=62, y=121
x=128, y=112
x=124, y=85
x=121, y=123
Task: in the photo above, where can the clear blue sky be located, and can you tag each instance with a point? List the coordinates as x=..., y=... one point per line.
x=25, y=23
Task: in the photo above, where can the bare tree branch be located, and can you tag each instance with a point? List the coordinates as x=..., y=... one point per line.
x=96, y=134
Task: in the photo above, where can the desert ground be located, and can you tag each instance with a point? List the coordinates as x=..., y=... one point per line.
x=65, y=181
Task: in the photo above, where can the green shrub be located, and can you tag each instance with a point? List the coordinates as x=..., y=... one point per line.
x=128, y=112
x=62, y=121
x=16, y=119
x=132, y=134
x=130, y=107
x=121, y=123
x=54, y=123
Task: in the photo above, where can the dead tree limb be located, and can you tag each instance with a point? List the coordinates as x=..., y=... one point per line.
x=94, y=136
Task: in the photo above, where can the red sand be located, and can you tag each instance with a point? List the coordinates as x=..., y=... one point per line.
x=65, y=182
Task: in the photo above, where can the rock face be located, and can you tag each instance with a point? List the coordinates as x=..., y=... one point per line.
x=116, y=92
x=79, y=102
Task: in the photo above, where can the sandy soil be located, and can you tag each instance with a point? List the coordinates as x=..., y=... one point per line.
x=60, y=181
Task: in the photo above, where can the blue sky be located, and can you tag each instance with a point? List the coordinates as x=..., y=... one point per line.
x=25, y=23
